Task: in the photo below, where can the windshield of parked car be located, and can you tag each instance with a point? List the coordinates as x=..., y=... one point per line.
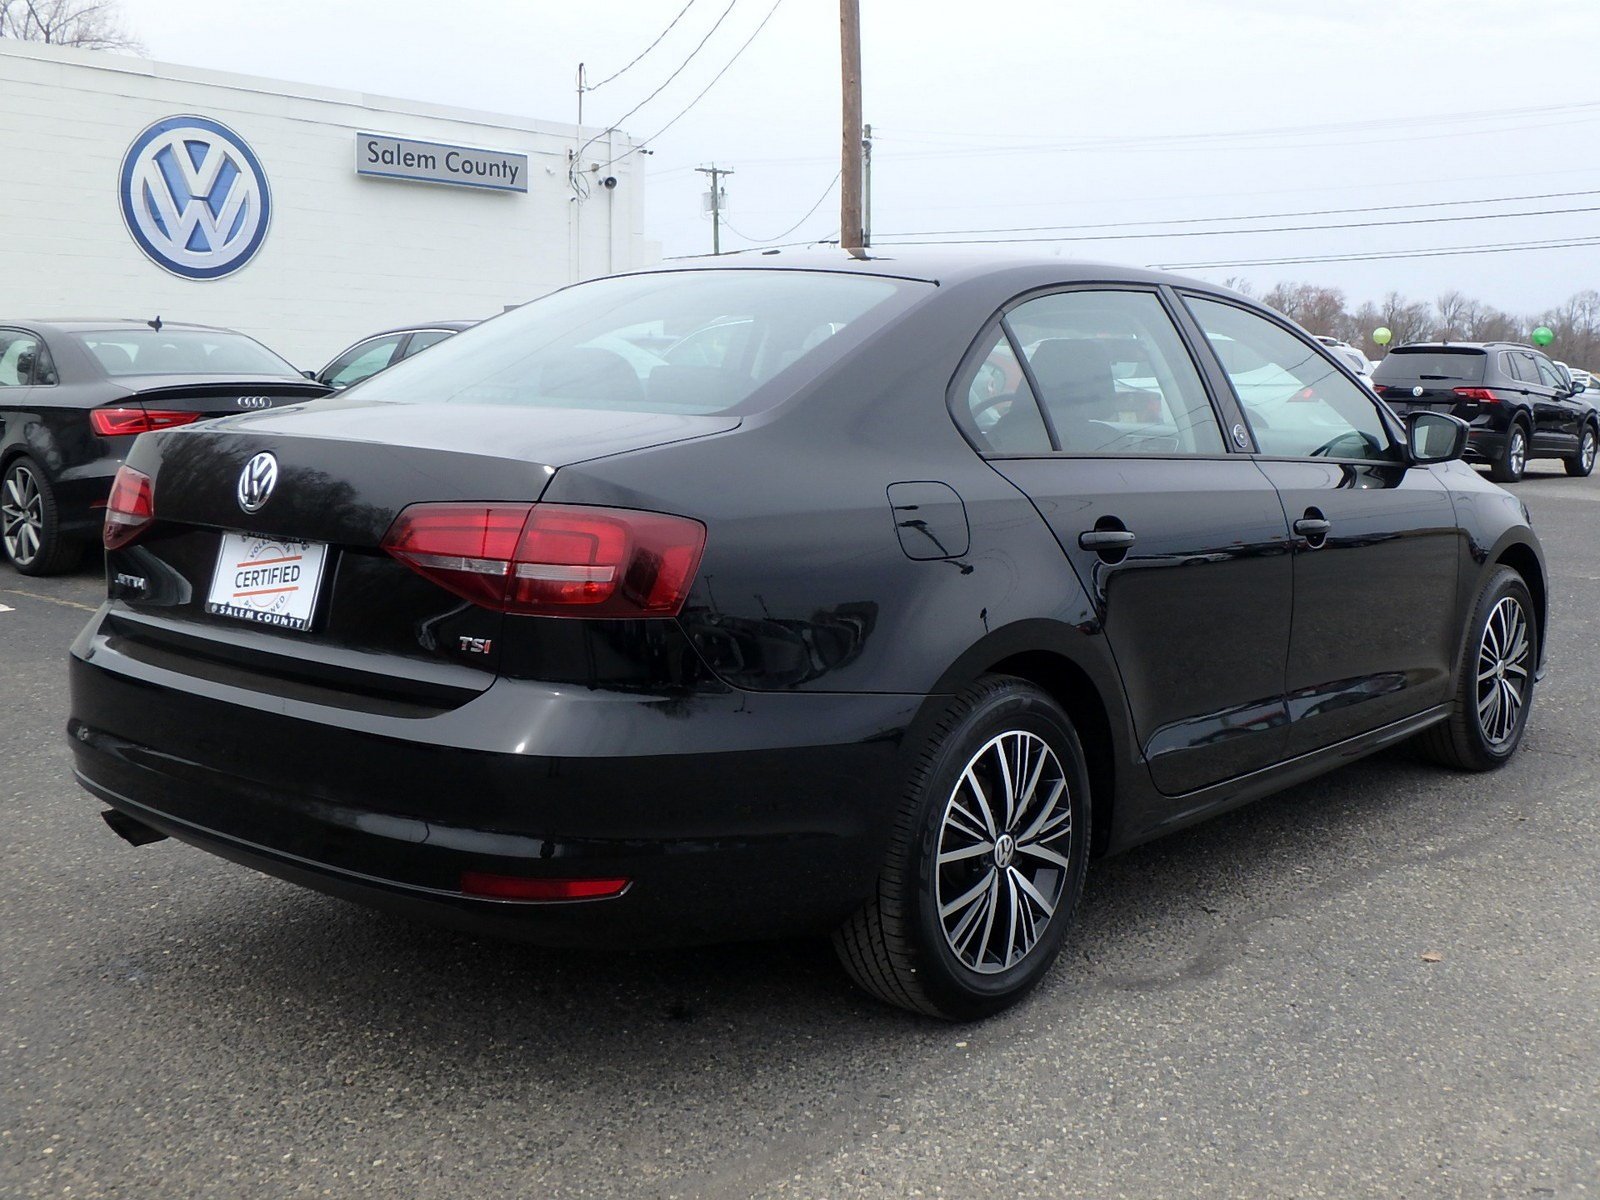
x=1458, y=366
x=182, y=352
x=668, y=342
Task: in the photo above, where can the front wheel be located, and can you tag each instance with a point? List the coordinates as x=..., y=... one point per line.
x=986, y=862
x=30, y=522
x=1582, y=463
x=1494, y=688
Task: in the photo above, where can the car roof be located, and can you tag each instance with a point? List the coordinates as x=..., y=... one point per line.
x=418, y=327
x=106, y=325
x=931, y=263
x=1465, y=346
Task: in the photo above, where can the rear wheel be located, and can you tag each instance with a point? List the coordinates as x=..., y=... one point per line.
x=986, y=863
x=1582, y=463
x=1495, y=687
x=30, y=522
x=1513, y=460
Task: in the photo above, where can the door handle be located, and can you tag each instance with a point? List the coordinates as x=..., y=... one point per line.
x=1312, y=528
x=1106, y=540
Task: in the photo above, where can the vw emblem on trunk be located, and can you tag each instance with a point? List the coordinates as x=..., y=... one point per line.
x=1416, y=391
x=256, y=481
x=194, y=197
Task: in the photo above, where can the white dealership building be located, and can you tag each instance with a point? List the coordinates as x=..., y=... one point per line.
x=304, y=216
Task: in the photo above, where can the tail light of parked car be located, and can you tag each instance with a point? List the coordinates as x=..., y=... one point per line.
x=131, y=507
x=125, y=422
x=1481, y=395
x=552, y=560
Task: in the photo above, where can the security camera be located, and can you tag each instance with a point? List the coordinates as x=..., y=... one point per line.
x=610, y=181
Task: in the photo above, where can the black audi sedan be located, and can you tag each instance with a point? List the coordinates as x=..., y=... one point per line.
x=74, y=395
x=1519, y=404
x=939, y=578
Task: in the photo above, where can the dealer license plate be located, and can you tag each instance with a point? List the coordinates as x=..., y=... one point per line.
x=269, y=580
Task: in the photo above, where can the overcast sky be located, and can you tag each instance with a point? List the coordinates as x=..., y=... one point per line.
x=1029, y=113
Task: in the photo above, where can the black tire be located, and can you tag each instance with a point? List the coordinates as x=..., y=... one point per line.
x=1582, y=463
x=1463, y=742
x=30, y=522
x=1513, y=460
x=898, y=946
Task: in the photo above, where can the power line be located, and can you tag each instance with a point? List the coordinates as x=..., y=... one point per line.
x=619, y=121
x=672, y=25
x=1313, y=212
x=1429, y=252
x=1194, y=233
x=736, y=54
x=826, y=192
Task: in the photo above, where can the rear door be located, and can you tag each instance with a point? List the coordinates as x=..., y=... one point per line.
x=1376, y=546
x=1557, y=422
x=1093, y=407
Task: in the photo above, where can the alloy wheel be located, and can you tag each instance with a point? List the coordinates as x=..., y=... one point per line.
x=1004, y=852
x=1590, y=445
x=21, y=515
x=1503, y=673
x=1517, y=458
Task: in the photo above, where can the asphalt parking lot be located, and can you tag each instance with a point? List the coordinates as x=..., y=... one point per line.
x=1247, y=1009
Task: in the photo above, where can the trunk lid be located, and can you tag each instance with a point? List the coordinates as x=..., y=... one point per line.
x=1435, y=380
x=217, y=397
x=377, y=632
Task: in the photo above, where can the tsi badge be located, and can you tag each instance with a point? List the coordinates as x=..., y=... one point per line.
x=194, y=197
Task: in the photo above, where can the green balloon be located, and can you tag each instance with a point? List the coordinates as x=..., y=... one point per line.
x=1542, y=336
x=1382, y=335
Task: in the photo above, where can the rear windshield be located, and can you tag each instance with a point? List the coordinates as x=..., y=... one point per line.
x=670, y=342
x=182, y=352
x=1460, y=366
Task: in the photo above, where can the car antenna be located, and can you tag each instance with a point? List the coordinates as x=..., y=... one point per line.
x=156, y=324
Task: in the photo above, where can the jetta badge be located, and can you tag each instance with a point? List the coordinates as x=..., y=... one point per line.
x=256, y=481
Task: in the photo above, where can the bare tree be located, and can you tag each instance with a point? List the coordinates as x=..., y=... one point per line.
x=89, y=24
x=1453, y=308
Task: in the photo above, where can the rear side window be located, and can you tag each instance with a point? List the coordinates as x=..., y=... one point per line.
x=666, y=342
x=1416, y=366
x=996, y=405
x=1112, y=375
x=424, y=338
x=19, y=354
x=1299, y=404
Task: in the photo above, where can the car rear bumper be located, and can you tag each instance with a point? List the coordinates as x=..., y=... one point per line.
x=733, y=815
x=1485, y=445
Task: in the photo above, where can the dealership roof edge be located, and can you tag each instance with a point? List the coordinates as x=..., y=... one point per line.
x=128, y=64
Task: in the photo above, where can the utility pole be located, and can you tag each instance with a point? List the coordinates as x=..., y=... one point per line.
x=850, y=228
x=716, y=174
x=866, y=185
x=572, y=182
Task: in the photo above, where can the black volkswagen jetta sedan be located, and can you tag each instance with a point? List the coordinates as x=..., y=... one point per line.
x=74, y=395
x=939, y=578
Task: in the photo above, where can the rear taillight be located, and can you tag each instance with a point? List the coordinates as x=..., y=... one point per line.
x=1380, y=388
x=1481, y=395
x=131, y=507
x=125, y=422
x=552, y=560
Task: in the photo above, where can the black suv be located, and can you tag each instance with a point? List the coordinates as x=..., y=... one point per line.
x=1516, y=401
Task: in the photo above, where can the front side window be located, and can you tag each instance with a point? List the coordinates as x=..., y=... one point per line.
x=665, y=342
x=1298, y=403
x=1113, y=376
x=361, y=360
x=19, y=352
x=1548, y=375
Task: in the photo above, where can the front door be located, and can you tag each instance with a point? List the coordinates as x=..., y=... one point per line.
x=1181, y=544
x=1376, y=547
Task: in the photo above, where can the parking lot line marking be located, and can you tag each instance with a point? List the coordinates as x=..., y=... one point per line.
x=49, y=599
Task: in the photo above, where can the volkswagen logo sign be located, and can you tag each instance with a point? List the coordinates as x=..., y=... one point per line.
x=1416, y=391
x=254, y=401
x=256, y=481
x=194, y=197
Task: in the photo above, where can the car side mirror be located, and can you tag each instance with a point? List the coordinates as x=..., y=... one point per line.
x=1435, y=437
